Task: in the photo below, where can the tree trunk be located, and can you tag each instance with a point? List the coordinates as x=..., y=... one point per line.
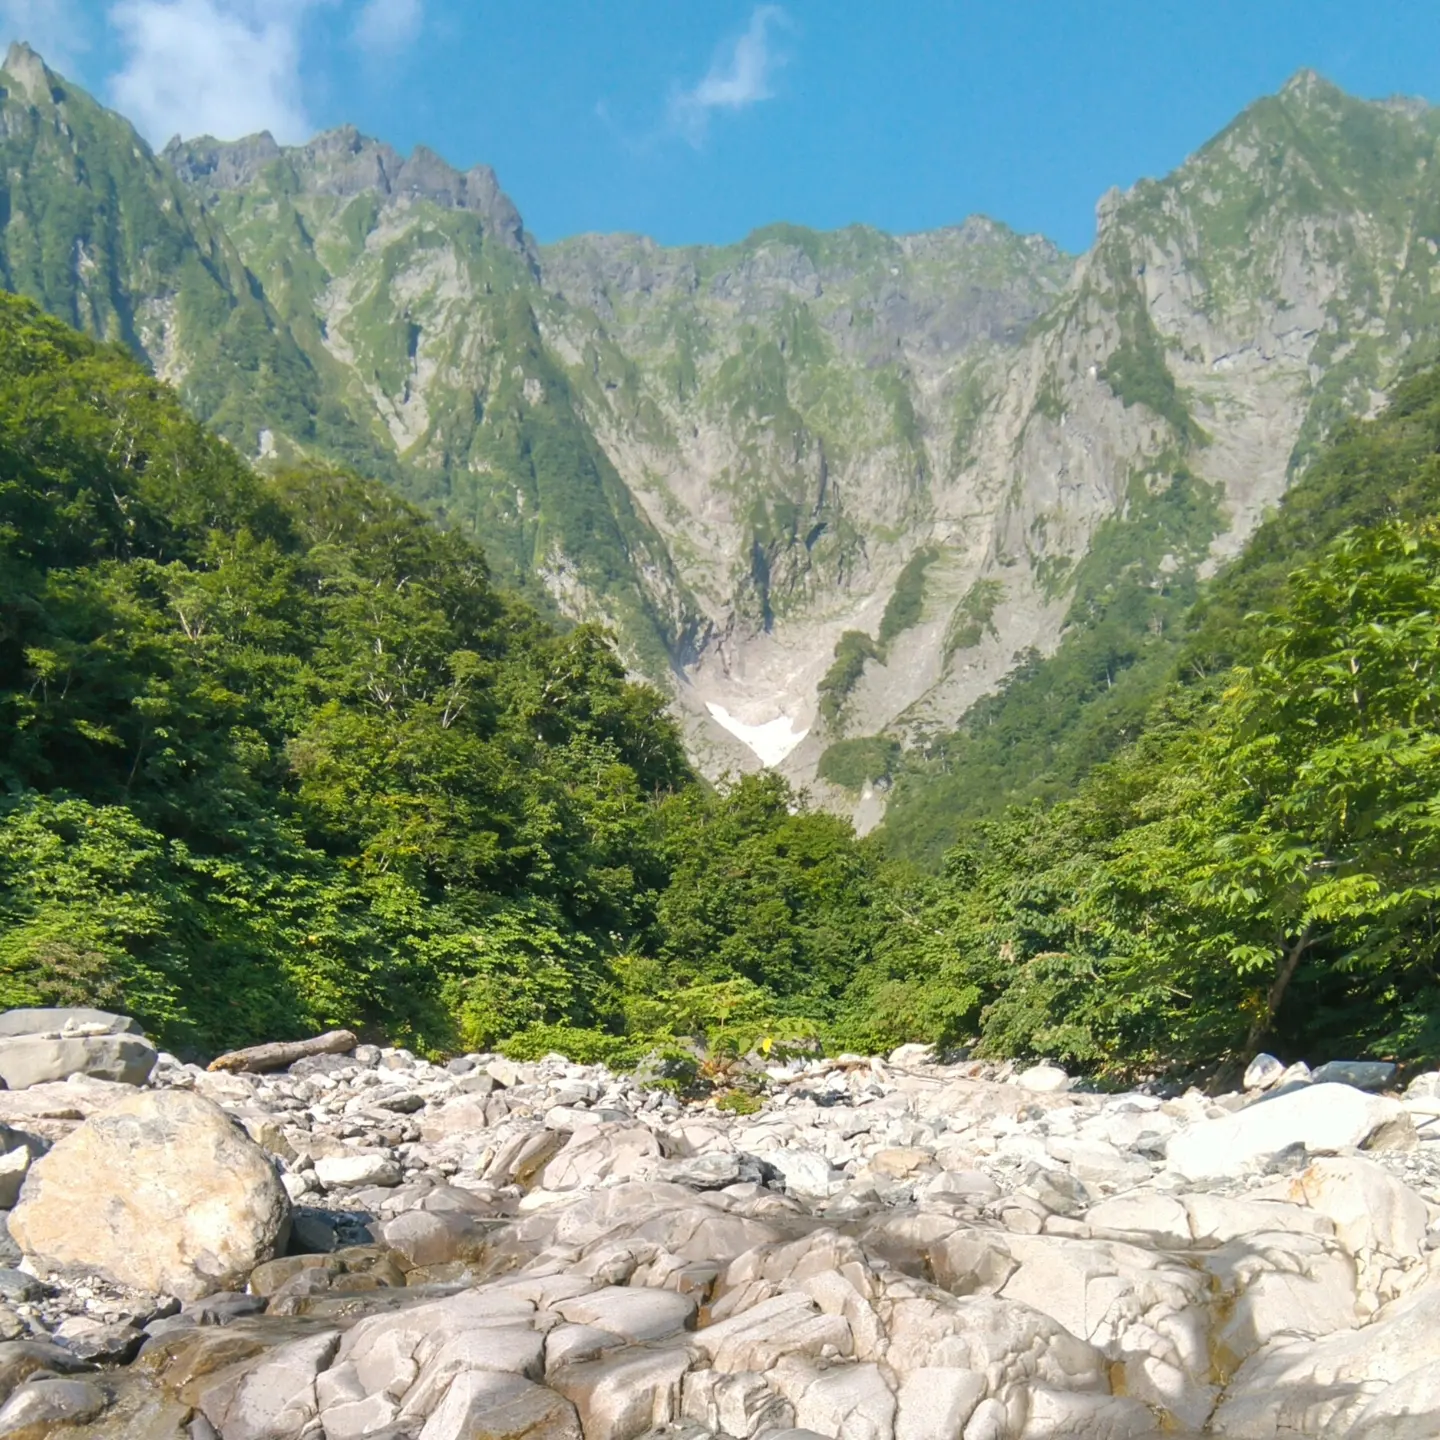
x=281, y=1053
x=1261, y=1028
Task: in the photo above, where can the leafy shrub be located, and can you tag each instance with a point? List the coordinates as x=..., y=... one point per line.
x=852, y=764
x=740, y=1102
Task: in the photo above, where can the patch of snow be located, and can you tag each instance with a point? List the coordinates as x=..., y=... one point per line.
x=771, y=742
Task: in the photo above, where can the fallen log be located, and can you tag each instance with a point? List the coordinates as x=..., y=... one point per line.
x=280, y=1053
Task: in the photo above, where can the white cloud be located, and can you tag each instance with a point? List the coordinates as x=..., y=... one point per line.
x=53, y=27
x=740, y=75
x=211, y=67
x=385, y=26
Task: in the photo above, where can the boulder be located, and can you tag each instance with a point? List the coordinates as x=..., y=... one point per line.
x=161, y=1193
x=912, y=1054
x=1369, y=1208
x=501, y=1407
x=1369, y=1075
x=627, y=1394
x=1043, y=1079
x=71, y=1020
x=27, y=1060
x=35, y=1407
x=1262, y=1072
x=13, y=1167
x=806, y=1172
x=1322, y=1118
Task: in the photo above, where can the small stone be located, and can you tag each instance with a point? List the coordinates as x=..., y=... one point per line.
x=361, y=1168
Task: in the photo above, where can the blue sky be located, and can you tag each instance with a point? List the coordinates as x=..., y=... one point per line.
x=699, y=121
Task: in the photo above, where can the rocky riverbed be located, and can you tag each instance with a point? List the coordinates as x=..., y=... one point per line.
x=364, y=1244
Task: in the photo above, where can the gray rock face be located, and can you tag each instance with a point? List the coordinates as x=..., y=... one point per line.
x=162, y=1193
x=27, y=1060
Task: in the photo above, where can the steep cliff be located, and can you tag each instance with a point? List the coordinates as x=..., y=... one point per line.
x=831, y=488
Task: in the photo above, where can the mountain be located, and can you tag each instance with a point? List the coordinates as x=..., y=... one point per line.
x=832, y=489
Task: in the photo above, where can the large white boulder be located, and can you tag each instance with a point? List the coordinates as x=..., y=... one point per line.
x=162, y=1193
x=1322, y=1118
x=1044, y=1079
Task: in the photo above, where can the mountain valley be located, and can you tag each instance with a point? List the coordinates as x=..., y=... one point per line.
x=826, y=488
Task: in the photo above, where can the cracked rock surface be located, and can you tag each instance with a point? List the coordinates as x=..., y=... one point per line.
x=886, y=1250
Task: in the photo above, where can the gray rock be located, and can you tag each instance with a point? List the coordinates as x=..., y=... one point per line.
x=317, y=1232
x=78, y=1020
x=14, y=1165
x=221, y=1309
x=361, y=1168
x=51, y=1402
x=1371, y=1075
x=16, y=1286
x=1262, y=1072
x=323, y=1064
x=20, y=1359
x=27, y=1060
x=277, y=1397
x=704, y=1172
x=99, y=1341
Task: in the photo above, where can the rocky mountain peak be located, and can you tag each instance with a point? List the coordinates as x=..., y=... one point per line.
x=31, y=74
x=1305, y=82
x=344, y=163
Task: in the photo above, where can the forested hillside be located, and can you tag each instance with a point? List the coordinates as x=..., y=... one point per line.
x=276, y=755
x=1263, y=862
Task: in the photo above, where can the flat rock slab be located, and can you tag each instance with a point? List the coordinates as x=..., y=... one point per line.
x=27, y=1060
